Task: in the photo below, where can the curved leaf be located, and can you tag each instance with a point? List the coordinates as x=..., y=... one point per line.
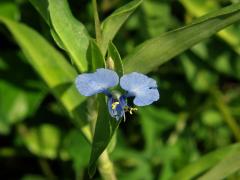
x=42, y=7
x=105, y=128
x=72, y=33
x=157, y=51
x=204, y=163
x=112, y=24
x=115, y=57
x=50, y=65
x=226, y=167
x=95, y=56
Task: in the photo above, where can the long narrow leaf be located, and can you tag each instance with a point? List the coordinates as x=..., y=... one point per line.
x=50, y=65
x=72, y=33
x=157, y=51
x=116, y=58
x=112, y=24
x=205, y=163
x=226, y=167
x=105, y=128
x=42, y=7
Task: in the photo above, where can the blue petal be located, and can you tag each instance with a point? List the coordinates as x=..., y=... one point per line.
x=142, y=87
x=89, y=84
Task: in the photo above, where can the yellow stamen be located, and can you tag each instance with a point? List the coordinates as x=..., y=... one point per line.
x=132, y=109
x=114, y=105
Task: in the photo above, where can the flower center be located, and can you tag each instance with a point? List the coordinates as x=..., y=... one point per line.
x=130, y=109
x=114, y=105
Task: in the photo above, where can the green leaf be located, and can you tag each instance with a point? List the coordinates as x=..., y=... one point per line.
x=197, y=8
x=95, y=56
x=157, y=17
x=104, y=130
x=38, y=142
x=229, y=165
x=204, y=163
x=105, y=125
x=199, y=76
x=116, y=58
x=154, y=52
x=10, y=10
x=72, y=33
x=78, y=149
x=42, y=7
x=51, y=66
x=112, y=24
x=21, y=92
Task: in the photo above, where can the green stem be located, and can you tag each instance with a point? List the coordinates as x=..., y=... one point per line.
x=97, y=23
x=46, y=169
x=106, y=167
x=229, y=119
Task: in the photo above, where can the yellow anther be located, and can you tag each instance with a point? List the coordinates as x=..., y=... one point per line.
x=132, y=109
x=114, y=105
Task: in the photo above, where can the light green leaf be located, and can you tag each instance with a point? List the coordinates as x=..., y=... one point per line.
x=116, y=58
x=51, y=66
x=72, y=33
x=104, y=130
x=159, y=50
x=112, y=24
x=204, y=163
x=229, y=165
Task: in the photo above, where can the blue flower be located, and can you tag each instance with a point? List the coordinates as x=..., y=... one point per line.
x=142, y=88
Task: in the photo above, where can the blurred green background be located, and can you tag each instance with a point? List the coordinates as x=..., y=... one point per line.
x=198, y=112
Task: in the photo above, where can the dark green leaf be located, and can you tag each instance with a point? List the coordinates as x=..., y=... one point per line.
x=104, y=130
x=42, y=7
x=157, y=51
